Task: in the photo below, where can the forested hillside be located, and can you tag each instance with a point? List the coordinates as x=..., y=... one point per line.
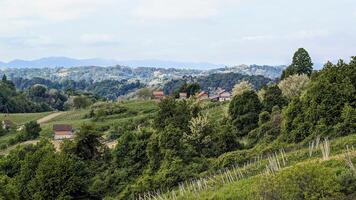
x=110, y=89
x=283, y=140
x=12, y=101
x=213, y=81
x=35, y=97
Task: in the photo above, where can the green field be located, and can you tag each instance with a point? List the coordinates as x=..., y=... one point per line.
x=22, y=118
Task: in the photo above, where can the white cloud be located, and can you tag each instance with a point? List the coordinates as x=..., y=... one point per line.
x=18, y=15
x=57, y=10
x=178, y=9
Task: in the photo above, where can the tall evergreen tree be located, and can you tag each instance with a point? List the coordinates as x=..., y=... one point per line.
x=4, y=78
x=301, y=64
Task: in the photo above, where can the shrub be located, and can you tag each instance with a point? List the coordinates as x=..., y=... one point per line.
x=305, y=181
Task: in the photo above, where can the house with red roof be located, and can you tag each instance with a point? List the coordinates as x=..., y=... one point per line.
x=158, y=95
x=63, y=131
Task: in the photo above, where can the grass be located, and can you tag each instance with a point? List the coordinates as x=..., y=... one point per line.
x=22, y=118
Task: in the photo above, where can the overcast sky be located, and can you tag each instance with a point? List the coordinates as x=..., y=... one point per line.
x=217, y=31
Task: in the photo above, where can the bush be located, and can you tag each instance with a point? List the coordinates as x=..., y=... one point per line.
x=244, y=110
x=307, y=181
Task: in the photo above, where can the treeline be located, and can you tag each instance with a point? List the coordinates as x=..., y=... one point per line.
x=110, y=89
x=182, y=141
x=213, y=81
x=12, y=101
x=39, y=98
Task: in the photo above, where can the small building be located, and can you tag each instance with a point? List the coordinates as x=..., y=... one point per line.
x=7, y=124
x=224, y=96
x=214, y=98
x=158, y=95
x=63, y=131
x=202, y=95
x=183, y=95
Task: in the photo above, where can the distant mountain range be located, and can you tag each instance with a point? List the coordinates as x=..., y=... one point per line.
x=151, y=72
x=71, y=62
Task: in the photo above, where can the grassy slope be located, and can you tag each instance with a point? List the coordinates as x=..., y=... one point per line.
x=22, y=118
x=76, y=118
x=244, y=188
x=19, y=119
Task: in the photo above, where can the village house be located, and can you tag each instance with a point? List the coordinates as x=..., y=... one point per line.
x=220, y=95
x=183, y=95
x=224, y=96
x=202, y=95
x=158, y=95
x=63, y=131
x=214, y=98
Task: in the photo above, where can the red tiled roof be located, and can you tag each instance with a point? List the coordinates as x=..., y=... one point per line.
x=158, y=93
x=62, y=127
x=203, y=93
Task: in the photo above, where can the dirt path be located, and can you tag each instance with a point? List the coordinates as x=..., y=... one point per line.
x=49, y=117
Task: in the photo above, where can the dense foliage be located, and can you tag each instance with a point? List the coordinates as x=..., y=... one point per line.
x=110, y=89
x=12, y=101
x=213, y=81
x=322, y=109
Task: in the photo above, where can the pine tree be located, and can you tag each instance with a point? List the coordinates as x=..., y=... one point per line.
x=4, y=78
x=301, y=64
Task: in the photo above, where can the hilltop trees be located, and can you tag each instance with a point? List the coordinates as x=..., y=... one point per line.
x=321, y=106
x=12, y=101
x=301, y=64
x=53, y=98
x=210, y=82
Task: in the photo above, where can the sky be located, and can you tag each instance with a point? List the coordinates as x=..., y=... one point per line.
x=218, y=31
